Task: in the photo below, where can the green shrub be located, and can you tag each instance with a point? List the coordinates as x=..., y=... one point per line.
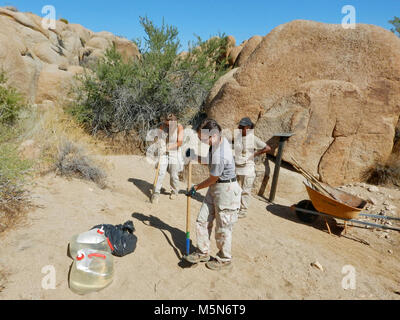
x=13, y=169
x=64, y=20
x=123, y=96
x=396, y=25
x=10, y=102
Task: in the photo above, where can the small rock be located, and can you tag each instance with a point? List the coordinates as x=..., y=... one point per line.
x=386, y=203
x=373, y=200
x=390, y=251
x=373, y=189
x=91, y=190
x=317, y=265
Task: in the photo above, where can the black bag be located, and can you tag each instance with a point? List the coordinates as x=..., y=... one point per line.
x=121, y=237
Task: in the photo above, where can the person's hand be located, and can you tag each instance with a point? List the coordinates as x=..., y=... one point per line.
x=191, y=192
x=190, y=154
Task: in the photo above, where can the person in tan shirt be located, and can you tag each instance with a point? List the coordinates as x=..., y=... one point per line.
x=247, y=147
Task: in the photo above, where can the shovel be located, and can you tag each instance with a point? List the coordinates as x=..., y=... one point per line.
x=157, y=173
x=184, y=263
x=189, y=185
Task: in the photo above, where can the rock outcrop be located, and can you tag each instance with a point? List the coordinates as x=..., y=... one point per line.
x=41, y=63
x=337, y=89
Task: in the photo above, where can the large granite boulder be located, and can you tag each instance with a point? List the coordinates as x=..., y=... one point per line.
x=337, y=89
x=37, y=60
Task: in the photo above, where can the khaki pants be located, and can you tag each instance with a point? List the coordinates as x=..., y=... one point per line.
x=246, y=182
x=170, y=164
x=221, y=204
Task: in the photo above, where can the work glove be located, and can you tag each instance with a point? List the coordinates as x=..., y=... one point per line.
x=190, y=154
x=191, y=192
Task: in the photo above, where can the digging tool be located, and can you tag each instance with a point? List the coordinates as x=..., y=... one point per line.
x=157, y=173
x=185, y=263
x=189, y=185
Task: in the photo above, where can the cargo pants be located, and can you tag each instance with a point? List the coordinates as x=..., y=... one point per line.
x=221, y=204
x=168, y=163
x=246, y=182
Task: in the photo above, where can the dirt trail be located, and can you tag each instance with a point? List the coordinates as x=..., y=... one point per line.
x=272, y=249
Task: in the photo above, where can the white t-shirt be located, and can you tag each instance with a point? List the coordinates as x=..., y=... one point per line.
x=245, y=147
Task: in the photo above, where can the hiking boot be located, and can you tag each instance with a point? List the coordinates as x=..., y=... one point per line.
x=155, y=198
x=173, y=196
x=197, y=257
x=218, y=265
x=242, y=214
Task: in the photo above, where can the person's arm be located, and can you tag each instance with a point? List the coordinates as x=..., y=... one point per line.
x=206, y=183
x=262, y=146
x=176, y=145
x=262, y=151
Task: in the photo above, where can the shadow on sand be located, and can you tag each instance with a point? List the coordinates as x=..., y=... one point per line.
x=145, y=187
x=286, y=213
x=178, y=236
x=337, y=230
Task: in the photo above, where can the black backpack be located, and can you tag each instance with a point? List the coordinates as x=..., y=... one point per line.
x=121, y=237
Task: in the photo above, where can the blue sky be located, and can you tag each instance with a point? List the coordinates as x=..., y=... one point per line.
x=239, y=18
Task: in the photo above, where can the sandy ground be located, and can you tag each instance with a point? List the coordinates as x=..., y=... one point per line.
x=273, y=251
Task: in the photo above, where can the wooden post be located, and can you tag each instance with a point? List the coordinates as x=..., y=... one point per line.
x=282, y=139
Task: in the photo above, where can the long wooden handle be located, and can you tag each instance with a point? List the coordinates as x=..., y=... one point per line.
x=157, y=173
x=189, y=185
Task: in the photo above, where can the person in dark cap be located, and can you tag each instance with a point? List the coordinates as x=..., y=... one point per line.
x=247, y=147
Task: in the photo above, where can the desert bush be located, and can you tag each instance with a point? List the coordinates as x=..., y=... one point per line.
x=387, y=173
x=64, y=20
x=122, y=96
x=10, y=102
x=73, y=162
x=13, y=169
x=396, y=25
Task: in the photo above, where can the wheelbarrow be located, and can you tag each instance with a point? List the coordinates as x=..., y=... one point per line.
x=336, y=204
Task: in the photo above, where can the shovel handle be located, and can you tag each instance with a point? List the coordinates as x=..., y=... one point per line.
x=189, y=185
x=157, y=173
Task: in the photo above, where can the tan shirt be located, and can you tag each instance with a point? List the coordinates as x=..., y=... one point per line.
x=245, y=147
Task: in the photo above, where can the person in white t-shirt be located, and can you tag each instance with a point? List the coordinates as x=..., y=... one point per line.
x=247, y=147
x=171, y=159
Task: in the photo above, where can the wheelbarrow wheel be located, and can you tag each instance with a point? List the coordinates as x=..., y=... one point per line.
x=304, y=216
